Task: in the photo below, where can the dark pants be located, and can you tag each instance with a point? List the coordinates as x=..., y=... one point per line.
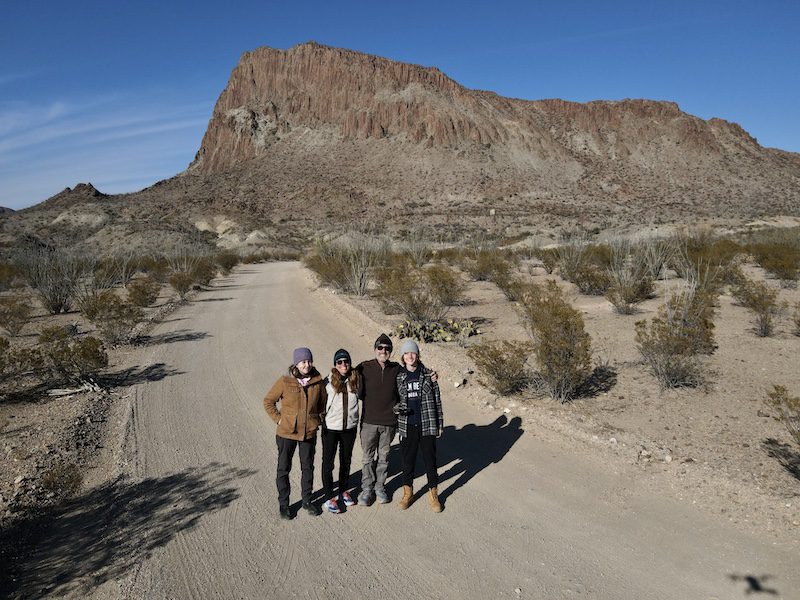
x=286, y=450
x=426, y=445
x=345, y=440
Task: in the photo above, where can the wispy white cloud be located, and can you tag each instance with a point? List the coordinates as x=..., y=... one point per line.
x=122, y=142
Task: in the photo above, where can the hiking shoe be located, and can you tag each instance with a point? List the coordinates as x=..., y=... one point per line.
x=312, y=509
x=382, y=497
x=365, y=498
x=331, y=506
x=347, y=499
x=285, y=513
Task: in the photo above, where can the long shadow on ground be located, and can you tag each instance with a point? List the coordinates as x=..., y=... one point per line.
x=136, y=375
x=787, y=456
x=172, y=337
x=102, y=534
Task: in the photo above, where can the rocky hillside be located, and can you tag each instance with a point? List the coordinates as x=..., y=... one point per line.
x=316, y=136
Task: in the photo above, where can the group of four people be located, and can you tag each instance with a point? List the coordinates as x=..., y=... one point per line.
x=393, y=396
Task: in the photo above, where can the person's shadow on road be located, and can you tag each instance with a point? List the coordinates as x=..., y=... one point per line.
x=471, y=449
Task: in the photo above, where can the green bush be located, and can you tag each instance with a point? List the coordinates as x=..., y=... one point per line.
x=72, y=358
x=8, y=276
x=15, y=312
x=591, y=280
x=53, y=273
x=446, y=284
x=226, y=260
x=155, y=266
x=548, y=258
x=762, y=300
x=203, y=271
x=670, y=344
x=409, y=292
x=781, y=260
x=630, y=278
x=562, y=347
x=502, y=365
x=488, y=265
x=143, y=291
x=788, y=408
x=346, y=263
x=181, y=282
x=116, y=318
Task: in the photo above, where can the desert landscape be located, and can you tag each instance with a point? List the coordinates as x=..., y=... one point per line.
x=607, y=290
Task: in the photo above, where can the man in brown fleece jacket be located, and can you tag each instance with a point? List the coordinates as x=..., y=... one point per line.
x=378, y=420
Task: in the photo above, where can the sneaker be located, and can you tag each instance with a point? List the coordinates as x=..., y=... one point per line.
x=285, y=513
x=331, y=506
x=347, y=499
x=382, y=496
x=312, y=509
x=365, y=498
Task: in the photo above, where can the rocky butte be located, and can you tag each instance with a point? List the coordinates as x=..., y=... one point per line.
x=315, y=136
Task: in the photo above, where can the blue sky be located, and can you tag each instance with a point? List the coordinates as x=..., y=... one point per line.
x=119, y=92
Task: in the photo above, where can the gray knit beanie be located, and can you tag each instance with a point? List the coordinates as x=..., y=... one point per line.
x=301, y=354
x=409, y=346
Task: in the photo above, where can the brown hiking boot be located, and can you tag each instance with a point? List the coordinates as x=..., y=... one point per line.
x=408, y=496
x=433, y=498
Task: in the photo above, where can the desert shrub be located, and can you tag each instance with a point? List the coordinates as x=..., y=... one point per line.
x=143, y=291
x=15, y=362
x=226, y=260
x=670, y=344
x=346, y=263
x=591, y=280
x=762, y=300
x=53, y=273
x=788, y=407
x=451, y=330
x=95, y=283
x=417, y=247
x=548, y=258
x=15, y=312
x=502, y=364
x=116, y=318
x=181, y=282
x=446, y=284
x=571, y=256
x=630, y=278
x=796, y=318
x=704, y=259
x=8, y=276
x=203, y=271
x=779, y=259
x=72, y=358
x=653, y=256
x=410, y=293
x=155, y=266
x=514, y=288
x=562, y=347
x=488, y=264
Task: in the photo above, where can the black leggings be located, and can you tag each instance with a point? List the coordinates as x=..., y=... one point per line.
x=345, y=440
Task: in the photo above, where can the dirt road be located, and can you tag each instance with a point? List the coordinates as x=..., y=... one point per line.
x=522, y=519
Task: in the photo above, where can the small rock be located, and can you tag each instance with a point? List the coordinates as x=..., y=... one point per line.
x=457, y=384
x=612, y=440
x=18, y=480
x=506, y=410
x=518, y=591
x=761, y=413
x=668, y=459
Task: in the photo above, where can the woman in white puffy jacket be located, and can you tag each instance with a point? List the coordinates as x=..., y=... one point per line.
x=339, y=429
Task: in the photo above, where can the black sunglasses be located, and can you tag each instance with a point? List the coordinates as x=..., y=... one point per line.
x=383, y=347
x=342, y=361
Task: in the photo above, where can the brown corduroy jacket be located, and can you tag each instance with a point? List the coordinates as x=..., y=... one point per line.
x=299, y=414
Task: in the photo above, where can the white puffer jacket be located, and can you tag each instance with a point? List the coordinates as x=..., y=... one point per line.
x=334, y=419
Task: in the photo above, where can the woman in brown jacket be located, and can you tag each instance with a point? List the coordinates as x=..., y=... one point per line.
x=302, y=396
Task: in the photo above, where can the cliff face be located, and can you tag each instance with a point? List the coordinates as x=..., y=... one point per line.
x=347, y=125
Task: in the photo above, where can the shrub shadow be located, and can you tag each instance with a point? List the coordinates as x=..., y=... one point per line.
x=101, y=535
x=213, y=299
x=785, y=454
x=137, y=375
x=602, y=380
x=181, y=335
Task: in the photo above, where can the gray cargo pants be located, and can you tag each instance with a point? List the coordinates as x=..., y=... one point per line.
x=375, y=440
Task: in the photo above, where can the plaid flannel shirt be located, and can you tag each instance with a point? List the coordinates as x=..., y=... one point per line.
x=430, y=400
